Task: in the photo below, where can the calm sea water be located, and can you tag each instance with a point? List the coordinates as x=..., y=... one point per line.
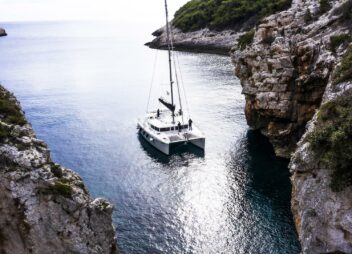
x=83, y=87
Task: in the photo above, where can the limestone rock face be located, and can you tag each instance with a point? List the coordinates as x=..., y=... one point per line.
x=323, y=218
x=201, y=41
x=45, y=208
x=285, y=71
x=286, y=75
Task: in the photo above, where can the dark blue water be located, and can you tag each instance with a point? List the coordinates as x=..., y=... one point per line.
x=84, y=85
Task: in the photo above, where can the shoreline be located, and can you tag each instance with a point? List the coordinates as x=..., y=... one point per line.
x=200, y=41
x=194, y=49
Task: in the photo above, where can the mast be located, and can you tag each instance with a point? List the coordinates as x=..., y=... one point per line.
x=170, y=56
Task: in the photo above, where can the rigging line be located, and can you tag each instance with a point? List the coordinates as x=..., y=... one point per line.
x=176, y=75
x=175, y=55
x=183, y=86
x=153, y=76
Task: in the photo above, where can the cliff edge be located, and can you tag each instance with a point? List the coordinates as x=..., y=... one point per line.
x=296, y=72
x=45, y=208
x=285, y=69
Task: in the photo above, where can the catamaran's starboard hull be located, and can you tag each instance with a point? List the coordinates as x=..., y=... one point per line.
x=199, y=142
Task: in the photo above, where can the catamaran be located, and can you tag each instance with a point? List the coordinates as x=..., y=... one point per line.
x=170, y=128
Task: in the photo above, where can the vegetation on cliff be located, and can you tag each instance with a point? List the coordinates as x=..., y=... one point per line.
x=221, y=14
x=338, y=40
x=324, y=6
x=331, y=140
x=10, y=112
x=344, y=70
x=246, y=39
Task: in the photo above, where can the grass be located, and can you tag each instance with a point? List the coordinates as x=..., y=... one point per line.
x=331, y=140
x=222, y=14
x=344, y=71
x=337, y=40
x=10, y=111
x=246, y=39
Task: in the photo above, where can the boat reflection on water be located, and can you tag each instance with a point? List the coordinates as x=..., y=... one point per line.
x=182, y=151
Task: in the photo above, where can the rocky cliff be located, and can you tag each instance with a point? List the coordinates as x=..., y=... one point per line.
x=2, y=32
x=44, y=207
x=285, y=71
x=295, y=68
x=321, y=200
x=204, y=40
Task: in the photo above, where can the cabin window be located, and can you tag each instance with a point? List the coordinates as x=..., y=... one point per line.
x=164, y=129
x=154, y=128
x=182, y=127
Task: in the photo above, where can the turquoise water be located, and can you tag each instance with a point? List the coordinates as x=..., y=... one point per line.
x=83, y=87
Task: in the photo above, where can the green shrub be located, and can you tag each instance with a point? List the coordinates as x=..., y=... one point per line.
x=4, y=133
x=324, y=6
x=221, y=14
x=337, y=40
x=56, y=170
x=308, y=16
x=246, y=39
x=10, y=110
x=60, y=188
x=344, y=71
x=331, y=140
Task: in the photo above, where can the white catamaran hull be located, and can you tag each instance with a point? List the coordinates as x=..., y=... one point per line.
x=162, y=147
x=168, y=147
x=199, y=142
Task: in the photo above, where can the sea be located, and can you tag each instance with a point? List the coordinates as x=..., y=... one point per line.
x=84, y=85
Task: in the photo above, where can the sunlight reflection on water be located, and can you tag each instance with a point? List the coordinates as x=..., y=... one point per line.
x=83, y=94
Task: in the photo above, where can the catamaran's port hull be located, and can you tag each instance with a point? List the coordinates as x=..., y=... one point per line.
x=168, y=148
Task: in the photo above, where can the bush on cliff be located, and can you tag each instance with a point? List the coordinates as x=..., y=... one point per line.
x=246, y=39
x=308, y=16
x=221, y=14
x=337, y=40
x=56, y=170
x=60, y=188
x=10, y=112
x=4, y=133
x=324, y=6
x=331, y=140
x=344, y=71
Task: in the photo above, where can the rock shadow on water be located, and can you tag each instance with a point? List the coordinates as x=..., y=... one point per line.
x=266, y=215
x=182, y=152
